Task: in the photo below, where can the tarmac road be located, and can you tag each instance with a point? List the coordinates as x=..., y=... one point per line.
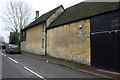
x=24, y=66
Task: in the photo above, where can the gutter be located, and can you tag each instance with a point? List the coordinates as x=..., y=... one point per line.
x=88, y=17
x=45, y=39
x=33, y=25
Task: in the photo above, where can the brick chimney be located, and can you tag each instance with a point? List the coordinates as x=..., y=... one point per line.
x=37, y=14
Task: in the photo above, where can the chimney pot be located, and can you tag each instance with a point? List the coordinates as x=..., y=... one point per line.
x=37, y=14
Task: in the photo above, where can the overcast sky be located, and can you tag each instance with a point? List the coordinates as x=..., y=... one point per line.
x=42, y=6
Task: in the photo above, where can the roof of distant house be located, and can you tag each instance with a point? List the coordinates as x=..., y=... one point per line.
x=42, y=18
x=84, y=10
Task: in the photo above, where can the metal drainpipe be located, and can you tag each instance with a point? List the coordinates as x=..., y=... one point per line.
x=45, y=40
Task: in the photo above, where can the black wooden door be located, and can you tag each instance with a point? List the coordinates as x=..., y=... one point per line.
x=105, y=50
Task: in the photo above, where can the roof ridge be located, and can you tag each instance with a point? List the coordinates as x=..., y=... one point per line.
x=43, y=17
x=83, y=10
x=51, y=10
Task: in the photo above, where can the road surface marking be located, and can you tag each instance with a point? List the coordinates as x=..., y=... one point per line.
x=3, y=54
x=34, y=73
x=13, y=60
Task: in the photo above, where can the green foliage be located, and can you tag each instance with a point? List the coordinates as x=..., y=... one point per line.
x=14, y=38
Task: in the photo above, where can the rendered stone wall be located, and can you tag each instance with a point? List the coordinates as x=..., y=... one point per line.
x=23, y=45
x=34, y=38
x=70, y=42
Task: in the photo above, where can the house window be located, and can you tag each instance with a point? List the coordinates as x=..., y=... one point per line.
x=42, y=43
x=115, y=22
x=24, y=33
x=24, y=36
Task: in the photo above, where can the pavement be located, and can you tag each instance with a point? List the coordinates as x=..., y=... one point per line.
x=33, y=66
x=81, y=67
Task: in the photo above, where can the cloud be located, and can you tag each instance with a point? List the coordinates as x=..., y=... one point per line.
x=102, y=0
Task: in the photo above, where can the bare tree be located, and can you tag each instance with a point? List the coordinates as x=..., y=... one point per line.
x=1, y=39
x=17, y=15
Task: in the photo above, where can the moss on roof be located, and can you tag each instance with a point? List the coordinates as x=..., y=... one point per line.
x=42, y=18
x=83, y=10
